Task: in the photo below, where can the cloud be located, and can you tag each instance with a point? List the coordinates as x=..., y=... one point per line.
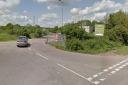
x=57, y=2
x=42, y=0
x=6, y=5
x=25, y=11
x=96, y=7
x=17, y=19
x=6, y=10
x=97, y=10
x=48, y=17
x=98, y=16
x=75, y=11
x=54, y=1
x=102, y=14
x=124, y=6
x=50, y=7
x=49, y=20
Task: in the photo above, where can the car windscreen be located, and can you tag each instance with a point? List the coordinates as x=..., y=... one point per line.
x=23, y=38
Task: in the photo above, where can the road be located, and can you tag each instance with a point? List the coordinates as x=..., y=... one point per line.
x=41, y=64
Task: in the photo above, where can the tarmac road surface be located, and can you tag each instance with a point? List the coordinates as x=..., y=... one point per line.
x=41, y=64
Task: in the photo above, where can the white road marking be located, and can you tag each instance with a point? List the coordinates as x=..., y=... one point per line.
x=105, y=70
x=74, y=72
x=42, y=56
x=112, y=70
x=117, y=69
x=111, y=73
x=89, y=79
x=100, y=73
x=94, y=76
x=112, y=67
x=96, y=82
x=103, y=79
x=121, y=67
x=126, y=63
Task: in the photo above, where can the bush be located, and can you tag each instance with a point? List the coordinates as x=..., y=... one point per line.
x=58, y=45
x=74, y=31
x=38, y=33
x=118, y=33
x=74, y=45
x=98, y=45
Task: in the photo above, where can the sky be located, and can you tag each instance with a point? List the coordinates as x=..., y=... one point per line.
x=49, y=12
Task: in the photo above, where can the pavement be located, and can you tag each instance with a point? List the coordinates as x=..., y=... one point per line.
x=41, y=64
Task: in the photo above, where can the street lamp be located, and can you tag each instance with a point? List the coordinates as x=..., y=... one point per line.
x=61, y=2
x=62, y=11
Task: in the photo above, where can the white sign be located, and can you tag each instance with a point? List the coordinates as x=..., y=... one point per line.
x=99, y=29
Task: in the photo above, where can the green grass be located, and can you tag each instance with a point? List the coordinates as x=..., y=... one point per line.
x=57, y=45
x=6, y=37
x=122, y=50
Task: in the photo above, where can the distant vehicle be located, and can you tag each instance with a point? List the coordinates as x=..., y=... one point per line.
x=22, y=41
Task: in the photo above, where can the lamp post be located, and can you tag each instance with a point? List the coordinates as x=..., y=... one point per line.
x=62, y=11
x=62, y=18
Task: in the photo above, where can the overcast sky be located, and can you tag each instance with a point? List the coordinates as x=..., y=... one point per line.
x=48, y=12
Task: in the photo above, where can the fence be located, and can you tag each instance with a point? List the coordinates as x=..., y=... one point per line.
x=55, y=37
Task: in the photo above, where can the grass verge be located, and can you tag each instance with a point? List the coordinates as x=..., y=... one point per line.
x=122, y=50
x=7, y=37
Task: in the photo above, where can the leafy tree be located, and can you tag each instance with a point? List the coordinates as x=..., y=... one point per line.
x=56, y=29
x=38, y=33
x=74, y=31
x=117, y=27
x=9, y=28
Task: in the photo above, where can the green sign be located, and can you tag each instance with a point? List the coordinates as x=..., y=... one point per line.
x=99, y=29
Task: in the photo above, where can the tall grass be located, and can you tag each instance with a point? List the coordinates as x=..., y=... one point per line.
x=7, y=37
x=122, y=50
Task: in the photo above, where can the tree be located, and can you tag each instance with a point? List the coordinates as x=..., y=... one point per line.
x=38, y=33
x=117, y=27
x=9, y=28
x=74, y=31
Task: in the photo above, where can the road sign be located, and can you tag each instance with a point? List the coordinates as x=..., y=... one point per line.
x=99, y=29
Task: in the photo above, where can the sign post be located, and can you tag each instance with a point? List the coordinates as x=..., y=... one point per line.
x=99, y=29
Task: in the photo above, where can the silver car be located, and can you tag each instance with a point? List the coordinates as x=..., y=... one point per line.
x=22, y=41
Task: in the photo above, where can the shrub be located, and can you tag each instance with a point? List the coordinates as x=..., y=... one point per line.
x=74, y=45
x=98, y=45
x=58, y=45
x=74, y=31
x=38, y=33
x=118, y=33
